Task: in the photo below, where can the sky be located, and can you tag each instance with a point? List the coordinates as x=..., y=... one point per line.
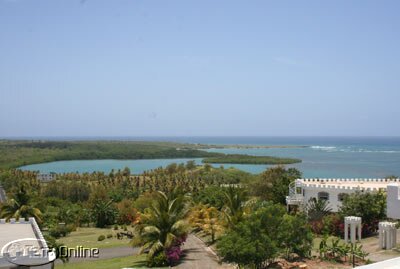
x=199, y=68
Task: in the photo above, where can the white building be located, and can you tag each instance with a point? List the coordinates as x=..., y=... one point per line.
x=22, y=243
x=333, y=190
x=393, y=201
x=393, y=212
x=46, y=177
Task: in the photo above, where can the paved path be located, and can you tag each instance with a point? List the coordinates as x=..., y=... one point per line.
x=196, y=255
x=108, y=253
x=199, y=256
x=376, y=254
x=3, y=196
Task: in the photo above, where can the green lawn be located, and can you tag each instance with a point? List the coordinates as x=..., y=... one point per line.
x=138, y=261
x=87, y=237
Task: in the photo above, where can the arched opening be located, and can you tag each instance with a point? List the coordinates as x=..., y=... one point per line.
x=323, y=195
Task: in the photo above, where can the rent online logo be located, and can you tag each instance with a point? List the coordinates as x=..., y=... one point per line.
x=34, y=252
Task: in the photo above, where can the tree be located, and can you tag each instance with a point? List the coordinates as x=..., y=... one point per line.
x=104, y=213
x=127, y=213
x=162, y=226
x=211, y=195
x=190, y=165
x=235, y=199
x=171, y=168
x=264, y=235
x=208, y=219
x=295, y=236
x=273, y=184
x=370, y=206
x=207, y=167
x=20, y=206
x=253, y=242
x=126, y=172
x=247, y=245
x=317, y=209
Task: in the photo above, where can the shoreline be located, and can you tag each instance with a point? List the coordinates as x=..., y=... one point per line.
x=244, y=146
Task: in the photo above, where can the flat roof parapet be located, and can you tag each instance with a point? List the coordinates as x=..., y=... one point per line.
x=352, y=219
x=369, y=184
x=386, y=224
x=349, y=179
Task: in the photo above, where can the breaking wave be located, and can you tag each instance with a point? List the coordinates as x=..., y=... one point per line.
x=350, y=149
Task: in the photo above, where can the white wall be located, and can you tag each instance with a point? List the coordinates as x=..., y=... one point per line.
x=393, y=201
x=334, y=203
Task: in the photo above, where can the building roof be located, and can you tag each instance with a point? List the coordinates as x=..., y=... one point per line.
x=31, y=250
x=347, y=183
x=10, y=232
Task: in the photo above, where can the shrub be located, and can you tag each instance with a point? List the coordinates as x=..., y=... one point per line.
x=173, y=254
x=109, y=235
x=333, y=225
x=371, y=207
x=61, y=230
x=158, y=260
x=101, y=238
x=317, y=226
x=115, y=227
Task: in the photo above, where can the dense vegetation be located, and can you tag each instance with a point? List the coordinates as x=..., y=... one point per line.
x=17, y=153
x=14, y=154
x=248, y=159
x=242, y=215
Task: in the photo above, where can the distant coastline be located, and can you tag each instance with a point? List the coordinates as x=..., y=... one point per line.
x=239, y=146
x=17, y=153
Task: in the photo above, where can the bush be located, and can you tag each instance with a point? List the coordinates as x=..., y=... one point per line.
x=331, y=224
x=109, y=235
x=101, y=238
x=265, y=234
x=158, y=260
x=61, y=230
x=115, y=227
x=371, y=207
x=174, y=254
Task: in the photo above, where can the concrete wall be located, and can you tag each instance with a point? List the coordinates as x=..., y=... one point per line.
x=334, y=203
x=393, y=201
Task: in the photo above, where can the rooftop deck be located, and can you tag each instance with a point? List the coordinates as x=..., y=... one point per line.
x=10, y=232
x=367, y=183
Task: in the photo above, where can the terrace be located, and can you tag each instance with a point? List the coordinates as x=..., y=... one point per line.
x=18, y=230
x=332, y=190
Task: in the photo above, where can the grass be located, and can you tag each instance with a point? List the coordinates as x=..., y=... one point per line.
x=137, y=261
x=87, y=237
x=317, y=241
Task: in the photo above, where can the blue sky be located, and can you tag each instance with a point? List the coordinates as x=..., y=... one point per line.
x=164, y=68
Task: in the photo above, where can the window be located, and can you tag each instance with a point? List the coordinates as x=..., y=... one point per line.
x=342, y=196
x=323, y=195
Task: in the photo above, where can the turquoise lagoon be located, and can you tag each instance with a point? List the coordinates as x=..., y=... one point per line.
x=321, y=157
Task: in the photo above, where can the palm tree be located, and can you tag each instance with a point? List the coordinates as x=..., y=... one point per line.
x=104, y=213
x=163, y=224
x=317, y=209
x=19, y=207
x=235, y=201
